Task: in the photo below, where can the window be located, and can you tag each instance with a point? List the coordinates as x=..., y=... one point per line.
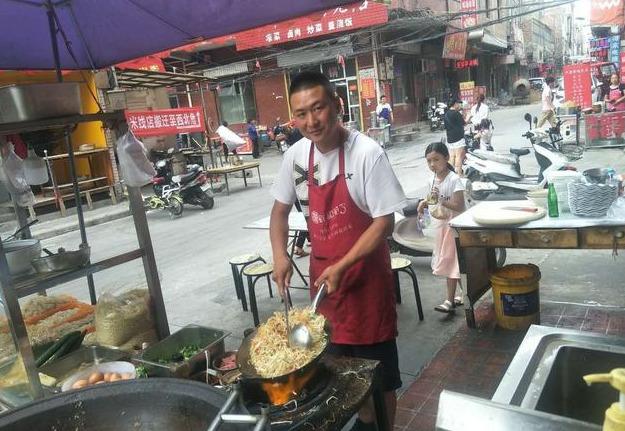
x=236, y=102
x=402, y=81
x=492, y=9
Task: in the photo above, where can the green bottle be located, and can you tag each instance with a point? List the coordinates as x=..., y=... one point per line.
x=552, y=201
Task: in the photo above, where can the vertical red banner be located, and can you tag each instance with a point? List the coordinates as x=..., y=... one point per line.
x=578, y=84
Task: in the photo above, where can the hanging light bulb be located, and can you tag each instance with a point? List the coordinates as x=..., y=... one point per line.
x=35, y=169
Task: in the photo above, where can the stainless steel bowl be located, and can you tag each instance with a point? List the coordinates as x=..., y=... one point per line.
x=20, y=253
x=597, y=175
x=63, y=260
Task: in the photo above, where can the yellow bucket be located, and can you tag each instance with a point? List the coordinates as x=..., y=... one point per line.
x=515, y=294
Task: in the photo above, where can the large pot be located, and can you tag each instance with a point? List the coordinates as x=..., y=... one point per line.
x=150, y=404
x=20, y=253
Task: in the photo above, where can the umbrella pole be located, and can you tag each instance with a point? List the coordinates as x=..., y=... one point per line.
x=206, y=136
x=54, y=40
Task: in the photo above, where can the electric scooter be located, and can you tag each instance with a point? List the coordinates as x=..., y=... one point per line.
x=491, y=173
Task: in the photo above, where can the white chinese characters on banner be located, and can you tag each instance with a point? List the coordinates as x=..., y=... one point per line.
x=165, y=122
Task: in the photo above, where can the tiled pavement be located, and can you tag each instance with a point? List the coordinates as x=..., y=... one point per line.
x=474, y=360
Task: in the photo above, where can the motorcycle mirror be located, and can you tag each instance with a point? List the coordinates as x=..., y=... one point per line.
x=528, y=117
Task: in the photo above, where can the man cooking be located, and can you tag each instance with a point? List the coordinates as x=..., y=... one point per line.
x=349, y=192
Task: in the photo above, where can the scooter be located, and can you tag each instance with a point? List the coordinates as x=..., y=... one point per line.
x=436, y=116
x=412, y=239
x=491, y=173
x=192, y=186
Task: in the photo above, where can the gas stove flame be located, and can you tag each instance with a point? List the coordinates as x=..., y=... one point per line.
x=282, y=393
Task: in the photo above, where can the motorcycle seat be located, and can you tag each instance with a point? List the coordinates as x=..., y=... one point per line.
x=185, y=178
x=519, y=151
x=497, y=157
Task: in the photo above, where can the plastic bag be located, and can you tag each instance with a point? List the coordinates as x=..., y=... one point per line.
x=135, y=167
x=231, y=139
x=13, y=177
x=124, y=321
x=617, y=209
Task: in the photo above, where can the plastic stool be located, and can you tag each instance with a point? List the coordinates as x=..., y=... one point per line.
x=401, y=264
x=243, y=261
x=253, y=274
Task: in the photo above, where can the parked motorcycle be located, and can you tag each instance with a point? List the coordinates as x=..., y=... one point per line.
x=408, y=239
x=193, y=186
x=436, y=116
x=490, y=172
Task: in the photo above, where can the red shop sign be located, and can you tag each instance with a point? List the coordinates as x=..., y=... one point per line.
x=336, y=20
x=468, y=19
x=623, y=67
x=465, y=64
x=165, y=121
x=455, y=45
x=578, y=84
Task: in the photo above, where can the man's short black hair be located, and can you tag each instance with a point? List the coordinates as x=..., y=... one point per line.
x=306, y=80
x=549, y=80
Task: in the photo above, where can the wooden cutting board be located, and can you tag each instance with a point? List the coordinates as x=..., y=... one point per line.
x=494, y=214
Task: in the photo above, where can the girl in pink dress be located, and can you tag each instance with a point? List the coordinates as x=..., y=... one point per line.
x=445, y=201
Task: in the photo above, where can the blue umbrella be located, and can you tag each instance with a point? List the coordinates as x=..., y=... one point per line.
x=94, y=34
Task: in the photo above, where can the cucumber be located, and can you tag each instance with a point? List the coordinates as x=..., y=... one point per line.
x=71, y=344
x=45, y=356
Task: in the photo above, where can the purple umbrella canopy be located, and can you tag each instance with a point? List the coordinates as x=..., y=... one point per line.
x=102, y=33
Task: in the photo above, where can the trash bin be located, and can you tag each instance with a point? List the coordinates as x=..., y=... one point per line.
x=516, y=296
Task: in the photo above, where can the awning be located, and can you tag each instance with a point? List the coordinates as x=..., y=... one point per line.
x=314, y=55
x=96, y=34
x=487, y=40
x=134, y=78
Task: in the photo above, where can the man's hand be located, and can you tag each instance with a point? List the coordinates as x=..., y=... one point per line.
x=332, y=277
x=282, y=272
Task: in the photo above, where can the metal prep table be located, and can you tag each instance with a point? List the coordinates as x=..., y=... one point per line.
x=476, y=244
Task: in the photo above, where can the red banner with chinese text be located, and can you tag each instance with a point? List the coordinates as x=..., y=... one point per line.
x=468, y=19
x=608, y=125
x=578, y=84
x=623, y=67
x=607, y=12
x=467, y=94
x=348, y=17
x=165, y=121
x=455, y=46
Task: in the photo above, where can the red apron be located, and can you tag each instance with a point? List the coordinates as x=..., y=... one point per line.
x=615, y=93
x=362, y=309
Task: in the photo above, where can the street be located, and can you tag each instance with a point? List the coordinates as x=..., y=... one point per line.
x=192, y=253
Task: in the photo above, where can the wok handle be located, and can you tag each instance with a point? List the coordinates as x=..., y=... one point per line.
x=320, y=294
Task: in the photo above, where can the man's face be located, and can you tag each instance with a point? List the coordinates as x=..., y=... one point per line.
x=382, y=100
x=315, y=113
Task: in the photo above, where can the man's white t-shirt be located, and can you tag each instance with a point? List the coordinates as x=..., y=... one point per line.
x=371, y=182
x=547, y=98
x=381, y=106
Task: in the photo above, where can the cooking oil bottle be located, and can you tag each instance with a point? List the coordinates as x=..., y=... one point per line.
x=615, y=414
x=552, y=201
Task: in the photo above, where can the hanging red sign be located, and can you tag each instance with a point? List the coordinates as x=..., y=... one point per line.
x=465, y=64
x=455, y=45
x=336, y=20
x=467, y=19
x=578, y=84
x=165, y=121
x=606, y=12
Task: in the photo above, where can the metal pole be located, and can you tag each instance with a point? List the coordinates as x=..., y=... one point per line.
x=55, y=43
x=77, y=198
x=18, y=327
x=208, y=141
x=149, y=262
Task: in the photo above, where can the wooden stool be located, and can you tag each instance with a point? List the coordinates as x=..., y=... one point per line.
x=401, y=264
x=254, y=273
x=242, y=261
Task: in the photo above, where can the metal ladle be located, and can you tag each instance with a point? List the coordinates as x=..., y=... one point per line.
x=299, y=335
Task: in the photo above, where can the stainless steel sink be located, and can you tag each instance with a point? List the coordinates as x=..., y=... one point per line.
x=546, y=373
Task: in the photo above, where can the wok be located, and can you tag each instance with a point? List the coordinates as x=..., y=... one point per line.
x=150, y=404
x=252, y=382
